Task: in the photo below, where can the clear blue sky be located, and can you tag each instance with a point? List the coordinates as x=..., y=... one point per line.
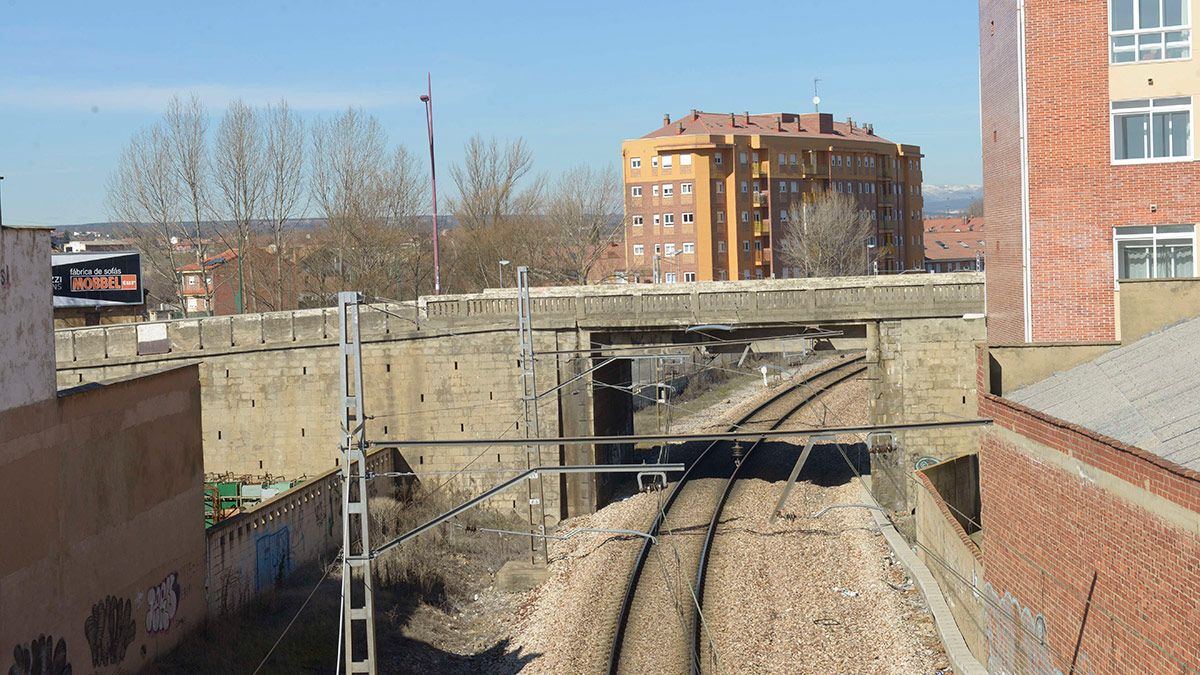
x=572, y=78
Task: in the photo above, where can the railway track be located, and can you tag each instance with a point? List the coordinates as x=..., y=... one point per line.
x=670, y=619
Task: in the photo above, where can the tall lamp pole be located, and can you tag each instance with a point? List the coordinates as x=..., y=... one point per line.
x=502, y=264
x=427, y=99
x=1, y=200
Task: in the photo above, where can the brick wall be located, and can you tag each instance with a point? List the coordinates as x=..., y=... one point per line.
x=1076, y=195
x=1001, y=132
x=1060, y=504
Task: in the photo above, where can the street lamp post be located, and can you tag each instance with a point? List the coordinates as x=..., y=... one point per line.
x=427, y=99
x=503, y=263
x=1, y=200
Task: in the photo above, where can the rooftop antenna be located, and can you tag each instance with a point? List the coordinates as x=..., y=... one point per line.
x=816, y=97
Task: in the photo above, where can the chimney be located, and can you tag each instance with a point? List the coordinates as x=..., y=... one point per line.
x=695, y=114
x=666, y=120
x=681, y=127
x=747, y=118
x=733, y=119
x=870, y=129
x=779, y=123
x=850, y=121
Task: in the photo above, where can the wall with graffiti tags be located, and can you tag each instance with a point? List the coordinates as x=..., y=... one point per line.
x=102, y=569
x=255, y=551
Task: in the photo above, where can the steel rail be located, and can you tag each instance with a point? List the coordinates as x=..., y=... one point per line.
x=614, y=658
x=710, y=535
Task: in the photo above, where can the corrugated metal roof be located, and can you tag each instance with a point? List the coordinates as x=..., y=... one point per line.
x=1143, y=394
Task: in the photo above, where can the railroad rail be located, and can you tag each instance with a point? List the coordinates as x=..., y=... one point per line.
x=775, y=411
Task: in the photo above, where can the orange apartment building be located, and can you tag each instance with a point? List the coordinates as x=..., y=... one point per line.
x=705, y=194
x=1090, y=171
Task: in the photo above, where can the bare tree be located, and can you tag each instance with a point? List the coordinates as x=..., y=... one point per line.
x=826, y=236
x=186, y=127
x=496, y=209
x=144, y=195
x=285, y=181
x=348, y=153
x=974, y=209
x=582, y=219
x=239, y=172
x=404, y=195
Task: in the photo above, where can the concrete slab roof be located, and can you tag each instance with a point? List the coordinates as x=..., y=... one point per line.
x=1143, y=394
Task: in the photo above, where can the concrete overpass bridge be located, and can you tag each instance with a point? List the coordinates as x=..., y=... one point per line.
x=447, y=366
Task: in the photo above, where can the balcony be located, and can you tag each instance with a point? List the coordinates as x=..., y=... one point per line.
x=762, y=227
x=815, y=171
x=760, y=199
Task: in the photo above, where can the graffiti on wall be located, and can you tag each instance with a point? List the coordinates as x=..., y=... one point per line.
x=109, y=630
x=162, y=601
x=1017, y=637
x=273, y=559
x=43, y=656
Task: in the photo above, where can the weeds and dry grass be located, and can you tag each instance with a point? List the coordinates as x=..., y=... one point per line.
x=434, y=575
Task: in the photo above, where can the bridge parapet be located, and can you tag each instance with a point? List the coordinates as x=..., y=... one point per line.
x=846, y=299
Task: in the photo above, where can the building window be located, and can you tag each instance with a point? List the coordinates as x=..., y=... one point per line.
x=670, y=277
x=639, y=249
x=721, y=275
x=685, y=188
x=745, y=187
x=668, y=190
x=742, y=157
x=782, y=159
x=757, y=244
x=667, y=160
x=1149, y=130
x=783, y=216
x=657, y=249
x=685, y=160
x=635, y=163
x=757, y=187
x=638, y=220
x=689, y=276
x=1149, y=30
x=782, y=187
x=758, y=273
x=636, y=190
x=1163, y=252
x=745, y=216
x=689, y=218
x=668, y=220
x=717, y=159
x=745, y=274
x=669, y=250
x=719, y=187
x=657, y=219
x=758, y=216
x=654, y=162
x=746, y=245
x=795, y=187
x=654, y=190
x=792, y=159
x=754, y=157
x=689, y=247
x=720, y=247
x=720, y=216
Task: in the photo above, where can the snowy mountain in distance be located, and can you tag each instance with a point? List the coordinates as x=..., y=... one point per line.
x=946, y=199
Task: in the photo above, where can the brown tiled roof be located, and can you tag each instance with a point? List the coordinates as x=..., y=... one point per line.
x=769, y=124
x=228, y=255
x=953, y=238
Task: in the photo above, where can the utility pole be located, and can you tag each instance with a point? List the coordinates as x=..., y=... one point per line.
x=358, y=614
x=529, y=396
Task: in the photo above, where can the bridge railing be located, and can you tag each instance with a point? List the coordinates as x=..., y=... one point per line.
x=592, y=307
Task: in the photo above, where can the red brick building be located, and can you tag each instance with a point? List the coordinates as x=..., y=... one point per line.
x=1089, y=170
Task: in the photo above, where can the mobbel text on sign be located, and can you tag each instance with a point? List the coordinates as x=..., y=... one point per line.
x=97, y=279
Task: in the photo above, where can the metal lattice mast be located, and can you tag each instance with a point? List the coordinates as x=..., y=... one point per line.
x=529, y=396
x=358, y=614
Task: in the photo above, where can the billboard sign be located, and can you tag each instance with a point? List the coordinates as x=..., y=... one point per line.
x=101, y=279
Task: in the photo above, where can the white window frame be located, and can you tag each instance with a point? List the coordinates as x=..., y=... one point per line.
x=688, y=218
x=783, y=159
x=657, y=219
x=685, y=188
x=1138, y=233
x=689, y=247
x=639, y=249
x=718, y=160
x=668, y=190
x=667, y=161
x=668, y=220
x=635, y=162
x=1137, y=32
x=669, y=249
x=654, y=162
x=638, y=221
x=669, y=278
x=654, y=190
x=720, y=216
x=745, y=187
x=742, y=157
x=1150, y=109
x=745, y=216
x=685, y=159
x=721, y=246
x=689, y=276
x=635, y=191
x=657, y=249
x=745, y=245
x=793, y=159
